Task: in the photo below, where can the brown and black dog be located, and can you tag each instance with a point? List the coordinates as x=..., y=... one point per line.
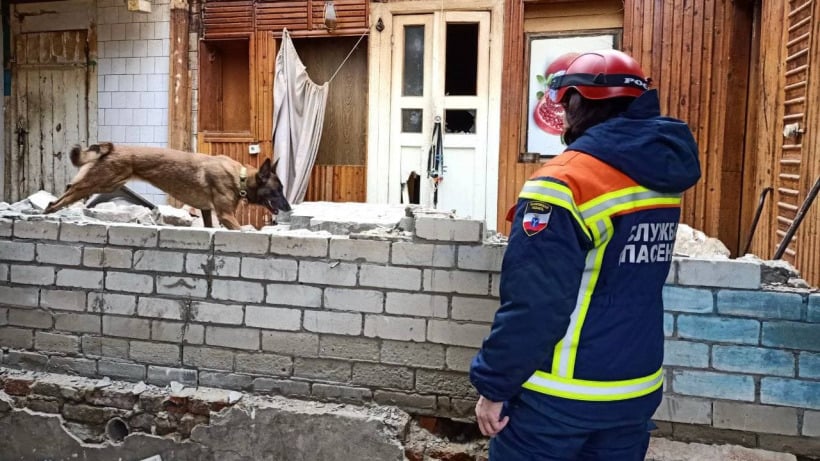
x=202, y=181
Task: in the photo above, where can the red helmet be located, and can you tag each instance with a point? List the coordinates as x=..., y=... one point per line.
x=600, y=75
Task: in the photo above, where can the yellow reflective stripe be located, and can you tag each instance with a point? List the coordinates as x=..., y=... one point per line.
x=614, y=195
x=600, y=391
x=556, y=194
x=624, y=199
x=633, y=204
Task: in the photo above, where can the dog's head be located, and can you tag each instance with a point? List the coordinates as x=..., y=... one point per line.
x=80, y=157
x=269, y=191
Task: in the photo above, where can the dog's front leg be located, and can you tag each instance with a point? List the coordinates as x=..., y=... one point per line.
x=228, y=220
x=70, y=196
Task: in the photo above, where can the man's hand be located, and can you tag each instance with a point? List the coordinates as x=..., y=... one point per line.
x=488, y=415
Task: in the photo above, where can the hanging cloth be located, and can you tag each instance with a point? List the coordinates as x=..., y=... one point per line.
x=298, y=115
x=435, y=160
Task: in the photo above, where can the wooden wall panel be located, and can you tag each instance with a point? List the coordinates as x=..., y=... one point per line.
x=337, y=183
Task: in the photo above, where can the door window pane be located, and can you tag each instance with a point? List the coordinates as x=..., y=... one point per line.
x=413, y=74
x=411, y=120
x=459, y=121
x=461, y=68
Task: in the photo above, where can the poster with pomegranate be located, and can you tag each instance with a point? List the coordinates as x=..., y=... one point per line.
x=545, y=119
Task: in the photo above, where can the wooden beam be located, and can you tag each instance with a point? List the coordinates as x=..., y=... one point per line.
x=179, y=91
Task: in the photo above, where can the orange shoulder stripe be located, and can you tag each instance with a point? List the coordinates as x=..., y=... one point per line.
x=585, y=175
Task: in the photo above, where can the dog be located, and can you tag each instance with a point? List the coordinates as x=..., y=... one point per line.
x=202, y=181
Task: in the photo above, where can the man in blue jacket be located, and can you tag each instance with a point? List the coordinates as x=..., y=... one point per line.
x=572, y=367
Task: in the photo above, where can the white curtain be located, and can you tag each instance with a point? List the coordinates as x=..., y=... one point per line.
x=298, y=115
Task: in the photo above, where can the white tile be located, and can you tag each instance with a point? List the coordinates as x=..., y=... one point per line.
x=103, y=132
x=117, y=30
x=132, y=66
x=103, y=100
x=146, y=65
x=126, y=82
x=132, y=31
x=155, y=117
x=101, y=116
x=103, y=33
x=155, y=47
x=162, y=65
x=147, y=30
x=132, y=135
x=146, y=133
x=161, y=99
x=161, y=135
x=140, y=117
x=103, y=66
x=119, y=100
x=126, y=48
x=103, y=49
x=133, y=100
x=127, y=117
x=140, y=81
x=112, y=83
x=118, y=133
x=146, y=100
x=140, y=48
x=118, y=66
x=101, y=82
x=108, y=15
x=156, y=82
x=110, y=116
x=162, y=30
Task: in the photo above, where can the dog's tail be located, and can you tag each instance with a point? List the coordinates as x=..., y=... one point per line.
x=94, y=152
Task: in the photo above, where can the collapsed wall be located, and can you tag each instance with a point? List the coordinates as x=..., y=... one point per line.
x=391, y=317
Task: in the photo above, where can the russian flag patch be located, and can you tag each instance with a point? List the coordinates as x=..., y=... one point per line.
x=536, y=217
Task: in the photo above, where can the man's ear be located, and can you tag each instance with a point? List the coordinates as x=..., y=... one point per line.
x=265, y=170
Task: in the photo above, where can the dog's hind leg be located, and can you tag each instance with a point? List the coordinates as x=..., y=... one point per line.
x=206, y=218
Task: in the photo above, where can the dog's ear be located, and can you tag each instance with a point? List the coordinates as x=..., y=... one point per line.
x=265, y=170
x=106, y=148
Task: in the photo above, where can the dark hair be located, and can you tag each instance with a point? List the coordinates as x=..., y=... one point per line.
x=582, y=113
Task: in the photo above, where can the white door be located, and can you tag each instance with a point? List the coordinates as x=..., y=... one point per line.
x=440, y=66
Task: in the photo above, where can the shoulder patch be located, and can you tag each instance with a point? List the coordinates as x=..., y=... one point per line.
x=536, y=217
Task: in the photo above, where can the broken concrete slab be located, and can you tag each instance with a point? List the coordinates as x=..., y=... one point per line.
x=668, y=450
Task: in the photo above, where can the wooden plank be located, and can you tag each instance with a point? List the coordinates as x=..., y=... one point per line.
x=179, y=79
x=59, y=149
x=33, y=152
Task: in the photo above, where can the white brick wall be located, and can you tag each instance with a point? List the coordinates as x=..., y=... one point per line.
x=132, y=68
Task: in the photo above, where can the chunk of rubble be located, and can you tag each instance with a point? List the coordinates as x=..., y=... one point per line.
x=170, y=216
x=695, y=244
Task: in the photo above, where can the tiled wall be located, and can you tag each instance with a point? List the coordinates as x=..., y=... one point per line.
x=133, y=62
x=390, y=320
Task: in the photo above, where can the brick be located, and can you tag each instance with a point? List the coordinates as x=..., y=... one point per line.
x=72, y=365
x=105, y=347
x=273, y=318
x=43, y=405
x=811, y=423
x=235, y=338
x=16, y=337
x=354, y=300
x=327, y=273
x=234, y=290
x=346, y=249
x=495, y=285
x=460, y=358
x=456, y=334
x=160, y=308
x=286, y=343
x=121, y=370
x=281, y=387
x=182, y=286
x=32, y=318
x=59, y=254
x=80, y=323
x=158, y=261
x=470, y=283
x=672, y=275
x=423, y=254
x=684, y=299
x=799, y=446
x=139, y=236
x=126, y=327
x=474, y=309
x=20, y=296
x=714, y=385
x=719, y=329
x=40, y=230
x=323, y=369
x=4, y=272
x=397, y=328
x=445, y=383
x=154, y=353
x=431, y=227
x=185, y=239
x=4, y=318
x=225, y=380
x=219, y=265
x=416, y=304
x=405, y=401
x=686, y=354
x=32, y=275
x=88, y=414
x=177, y=332
x=343, y=347
x=341, y=393
x=400, y=278
x=809, y=365
x=63, y=300
x=755, y=418
x=75, y=278
x=687, y=410
x=424, y=355
x=26, y=360
x=760, y=304
x=17, y=251
x=110, y=303
x=6, y=225
x=341, y=323
x=790, y=392
x=226, y=241
x=383, y=376
x=83, y=232
x=132, y=283
x=755, y=360
x=109, y=258
x=163, y=376
x=208, y=357
x=264, y=364
x=719, y=273
x=312, y=246
x=814, y=308
x=668, y=325
x=270, y=269
x=56, y=343
x=485, y=257
x=791, y=335
x=226, y=314
x=293, y=295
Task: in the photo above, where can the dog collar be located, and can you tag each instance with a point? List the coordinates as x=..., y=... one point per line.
x=243, y=182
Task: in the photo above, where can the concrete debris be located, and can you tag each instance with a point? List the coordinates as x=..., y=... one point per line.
x=234, y=397
x=668, y=450
x=40, y=200
x=139, y=388
x=103, y=382
x=695, y=244
x=170, y=216
x=778, y=274
x=176, y=387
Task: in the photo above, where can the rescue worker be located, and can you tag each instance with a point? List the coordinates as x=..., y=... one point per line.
x=572, y=367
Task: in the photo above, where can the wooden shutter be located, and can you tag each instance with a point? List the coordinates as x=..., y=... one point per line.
x=227, y=19
x=792, y=163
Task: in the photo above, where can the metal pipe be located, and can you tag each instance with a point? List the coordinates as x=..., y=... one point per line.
x=760, y=203
x=801, y=213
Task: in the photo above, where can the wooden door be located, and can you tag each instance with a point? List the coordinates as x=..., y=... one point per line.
x=50, y=78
